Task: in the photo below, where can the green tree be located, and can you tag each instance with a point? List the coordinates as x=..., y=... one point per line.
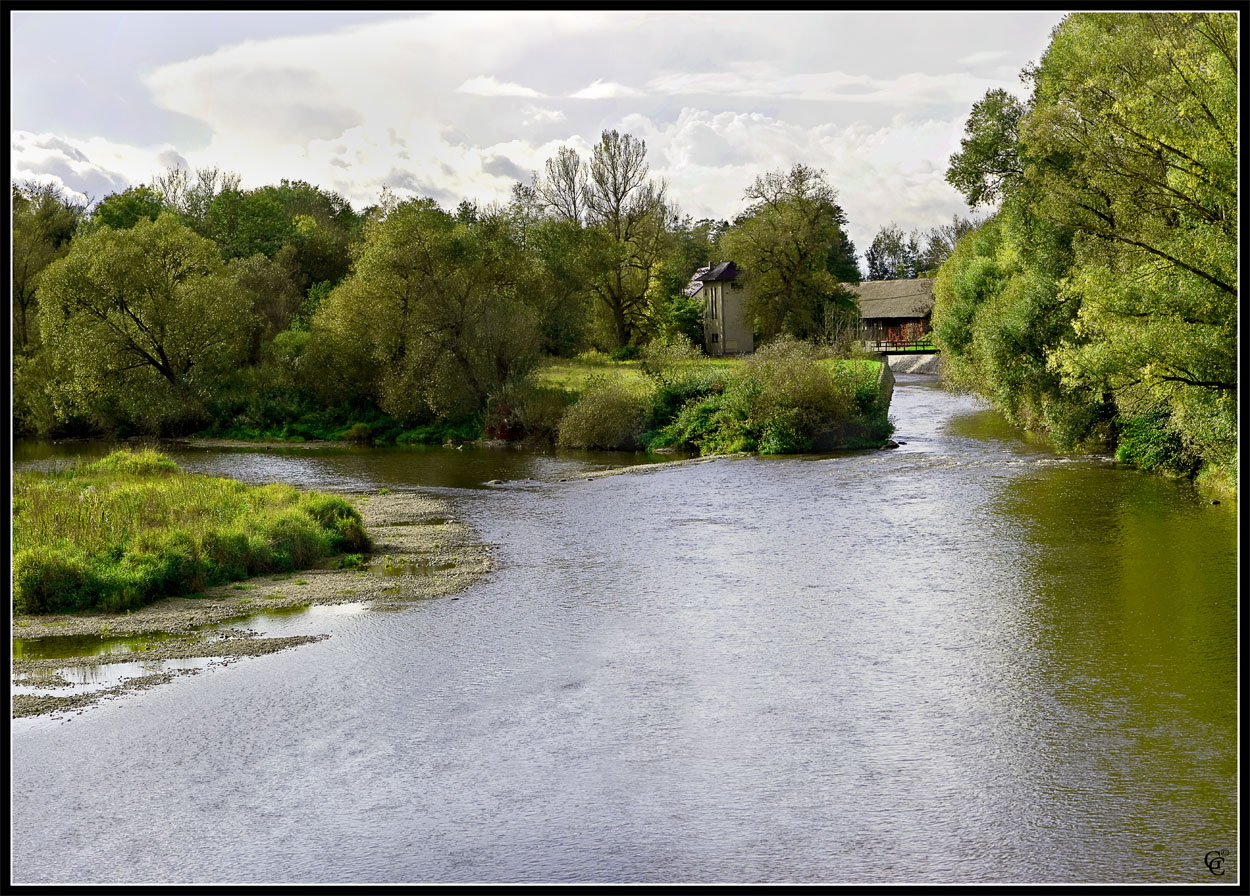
x=191, y=198
x=124, y=210
x=139, y=323
x=893, y=255
x=44, y=221
x=785, y=241
x=433, y=319
x=1136, y=151
x=628, y=215
x=250, y=223
x=555, y=249
x=988, y=163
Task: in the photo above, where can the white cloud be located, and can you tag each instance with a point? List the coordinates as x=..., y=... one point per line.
x=413, y=103
x=488, y=85
x=603, y=90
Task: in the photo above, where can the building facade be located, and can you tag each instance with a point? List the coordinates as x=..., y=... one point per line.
x=723, y=288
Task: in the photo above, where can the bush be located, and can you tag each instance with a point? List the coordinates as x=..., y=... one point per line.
x=1150, y=442
x=48, y=580
x=785, y=399
x=339, y=517
x=360, y=434
x=608, y=415
x=624, y=353
x=147, y=462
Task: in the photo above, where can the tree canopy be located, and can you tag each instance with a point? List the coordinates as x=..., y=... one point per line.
x=140, y=319
x=791, y=241
x=1126, y=154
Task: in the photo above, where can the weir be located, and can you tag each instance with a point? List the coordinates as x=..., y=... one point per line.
x=911, y=362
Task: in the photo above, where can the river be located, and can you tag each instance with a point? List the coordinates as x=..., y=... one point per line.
x=963, y=660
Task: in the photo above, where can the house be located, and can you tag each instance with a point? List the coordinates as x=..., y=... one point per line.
x=724, y=290
x=894, y=312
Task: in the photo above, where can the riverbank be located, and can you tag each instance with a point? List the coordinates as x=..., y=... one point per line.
x=420, y=552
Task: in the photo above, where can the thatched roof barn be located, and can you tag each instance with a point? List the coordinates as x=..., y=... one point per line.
x=895, y=311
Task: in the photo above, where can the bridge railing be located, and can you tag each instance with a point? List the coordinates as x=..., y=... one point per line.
x=923, y=344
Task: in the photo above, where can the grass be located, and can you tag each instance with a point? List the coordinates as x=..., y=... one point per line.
x=785, y=399
x=572, y=375
x=132, y=528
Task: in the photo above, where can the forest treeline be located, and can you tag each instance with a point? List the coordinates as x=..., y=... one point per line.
x=1098, y=304
x=193, y=306
x=1097, y=301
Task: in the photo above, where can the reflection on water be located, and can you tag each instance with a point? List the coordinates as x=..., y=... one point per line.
x=352, y=468
x=963, y=660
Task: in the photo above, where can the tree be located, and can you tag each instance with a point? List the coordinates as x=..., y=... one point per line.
x=124, y=210
x=1108, y=294
x=893, y=255
x=937, y=243
x=628, y=216
x=1136, y=151
x=433, y=320
x=274, y=297
x=44, y=221
x=140, y=322
x=243, y=224
x=988, y=162
x=785, y=242
x=563, y=191
x=191, y=200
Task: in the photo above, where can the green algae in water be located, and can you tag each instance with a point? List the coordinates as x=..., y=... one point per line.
x=66, y=646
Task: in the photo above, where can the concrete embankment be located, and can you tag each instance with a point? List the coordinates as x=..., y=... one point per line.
x=913, y=363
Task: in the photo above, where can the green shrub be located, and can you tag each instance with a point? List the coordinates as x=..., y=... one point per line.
x=624, y=353
x=48, y=580
x=608, y=415
x=786, y=399
x=359, y=433
x=338, y=516
x=1150, y=442
x=147, y=462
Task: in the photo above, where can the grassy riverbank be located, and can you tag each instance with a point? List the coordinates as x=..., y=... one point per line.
x=132, y=528
x=785, y=399
x=419, y=552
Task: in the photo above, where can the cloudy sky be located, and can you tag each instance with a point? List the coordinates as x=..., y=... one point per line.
x=456, y=105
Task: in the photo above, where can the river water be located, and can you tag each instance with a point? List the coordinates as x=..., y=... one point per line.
x=963, y=660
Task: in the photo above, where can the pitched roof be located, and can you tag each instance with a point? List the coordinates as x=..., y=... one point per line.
x=895, y=298
x=725, y=270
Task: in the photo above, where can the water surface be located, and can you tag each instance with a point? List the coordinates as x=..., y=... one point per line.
x=964, y=660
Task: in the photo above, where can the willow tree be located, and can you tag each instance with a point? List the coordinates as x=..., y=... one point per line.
x=1132, y=137
x=140, y=324
x=434, y=318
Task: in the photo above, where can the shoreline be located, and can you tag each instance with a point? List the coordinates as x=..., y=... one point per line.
x=420, y=552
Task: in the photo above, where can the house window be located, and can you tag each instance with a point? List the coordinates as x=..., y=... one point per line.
x=716, y=337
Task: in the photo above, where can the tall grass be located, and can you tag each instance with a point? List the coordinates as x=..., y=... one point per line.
x=132, y=528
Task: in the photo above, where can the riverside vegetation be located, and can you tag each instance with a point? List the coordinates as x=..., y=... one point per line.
x=132, y=528
x=787, y=398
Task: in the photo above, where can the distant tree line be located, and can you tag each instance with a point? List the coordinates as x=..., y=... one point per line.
x=192, y=305
x=1099, y=302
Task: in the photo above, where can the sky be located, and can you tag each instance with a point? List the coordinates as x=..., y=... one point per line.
x=463, y=105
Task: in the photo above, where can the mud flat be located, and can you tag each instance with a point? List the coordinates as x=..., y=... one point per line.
x=420, y=552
